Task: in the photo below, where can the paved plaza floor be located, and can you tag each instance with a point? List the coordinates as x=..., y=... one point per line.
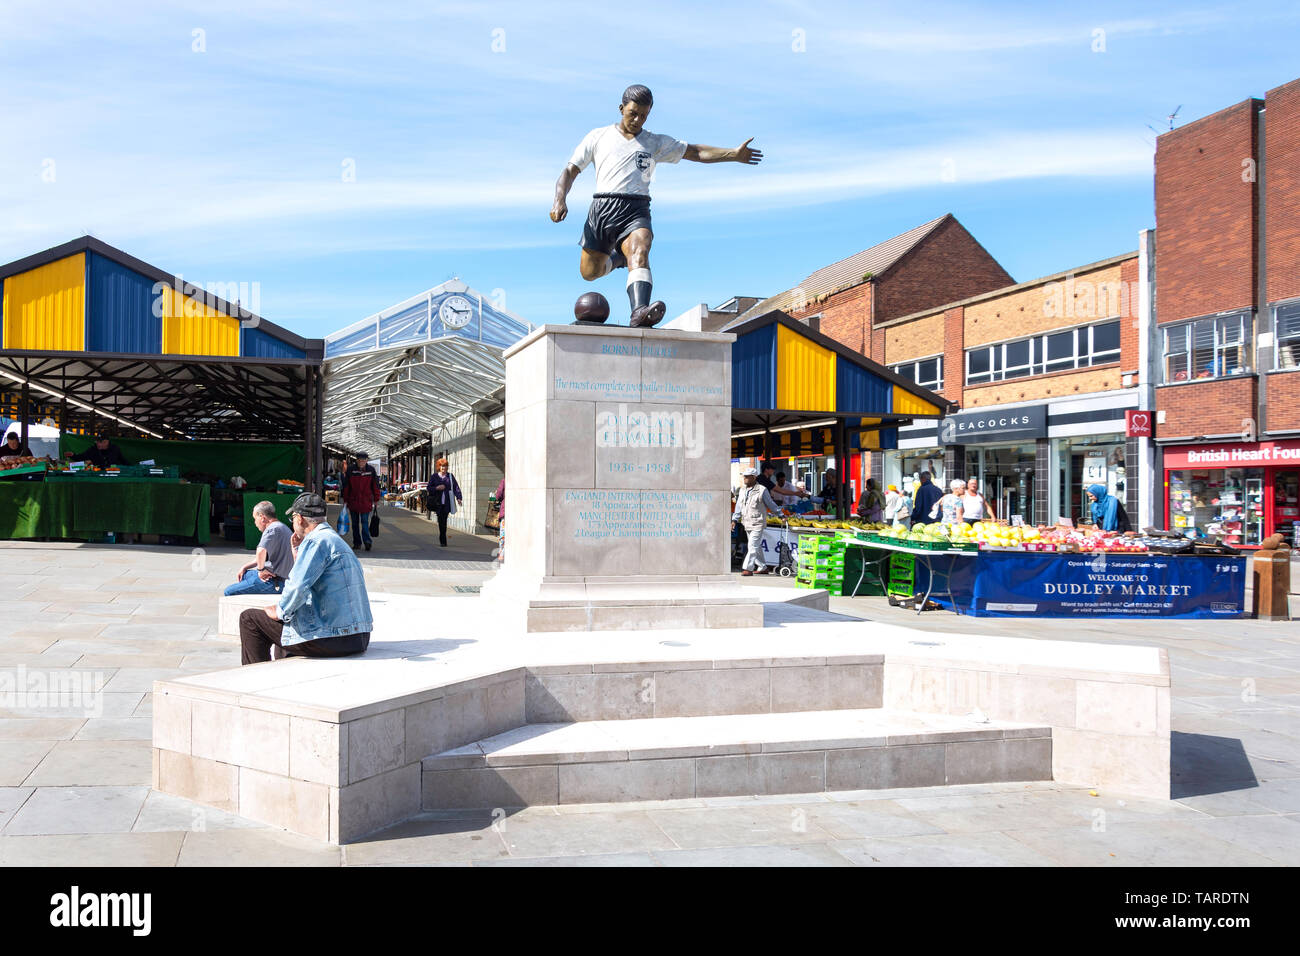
x=109, y=620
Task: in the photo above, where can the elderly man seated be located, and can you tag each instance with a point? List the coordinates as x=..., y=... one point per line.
x=324, y=610
x=274, y=559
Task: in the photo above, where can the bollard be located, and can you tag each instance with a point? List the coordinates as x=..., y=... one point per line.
x=1271, y=576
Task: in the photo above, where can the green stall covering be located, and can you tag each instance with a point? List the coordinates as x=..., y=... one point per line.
x=281, y=502
x=83, y=509
x=33, y=509
x=260, y=464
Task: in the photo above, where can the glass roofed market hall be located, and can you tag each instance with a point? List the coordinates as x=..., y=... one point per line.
x=425, y=379
x=206, y=407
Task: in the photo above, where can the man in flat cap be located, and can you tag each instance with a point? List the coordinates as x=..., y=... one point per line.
x=752, y=505
x=324, y=610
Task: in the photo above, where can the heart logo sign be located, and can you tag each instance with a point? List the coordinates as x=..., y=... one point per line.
x=1138, y=424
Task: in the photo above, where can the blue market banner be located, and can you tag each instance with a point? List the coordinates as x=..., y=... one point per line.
x=1021, y=584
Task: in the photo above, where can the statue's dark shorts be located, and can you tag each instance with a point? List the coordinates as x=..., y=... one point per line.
x=611, y=219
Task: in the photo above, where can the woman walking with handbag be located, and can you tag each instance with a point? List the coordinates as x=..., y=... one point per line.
x=444, y=497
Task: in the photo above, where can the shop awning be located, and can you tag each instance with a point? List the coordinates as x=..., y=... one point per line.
x=792, y=389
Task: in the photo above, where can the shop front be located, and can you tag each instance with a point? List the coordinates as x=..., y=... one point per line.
x=1033, y=460
x=1243, y=492
x=1000, y=446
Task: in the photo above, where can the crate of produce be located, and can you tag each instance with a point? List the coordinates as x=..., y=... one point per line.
x=833, y=574
x=834, y=587
x=822, y=561
x=819, y=542
x=286, y=487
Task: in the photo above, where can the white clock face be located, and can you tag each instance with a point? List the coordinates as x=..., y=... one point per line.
x=455, y=311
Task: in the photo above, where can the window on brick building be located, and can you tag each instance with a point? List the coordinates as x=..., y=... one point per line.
x=927, y=372
x=983, y=364
x=1104, y=347
x=1054, y=352
x=1206, y=348
x=1286, y=333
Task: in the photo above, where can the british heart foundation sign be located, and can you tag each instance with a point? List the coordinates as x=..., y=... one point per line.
x=1137, y=424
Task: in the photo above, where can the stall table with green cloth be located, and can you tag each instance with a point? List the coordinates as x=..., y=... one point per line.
x=81, y=509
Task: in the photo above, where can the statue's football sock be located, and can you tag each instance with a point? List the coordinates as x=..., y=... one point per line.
x=638, y=287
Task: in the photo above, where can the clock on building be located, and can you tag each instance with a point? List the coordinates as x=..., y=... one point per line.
x=455, y=311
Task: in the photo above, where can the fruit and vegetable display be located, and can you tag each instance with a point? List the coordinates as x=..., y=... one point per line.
x=998, y=536
x=810, y=520
x=20, y=461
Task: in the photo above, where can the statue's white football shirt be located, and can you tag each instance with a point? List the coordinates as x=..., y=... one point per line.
x=625, y=165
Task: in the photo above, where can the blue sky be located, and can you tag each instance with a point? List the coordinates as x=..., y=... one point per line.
x=214, y=143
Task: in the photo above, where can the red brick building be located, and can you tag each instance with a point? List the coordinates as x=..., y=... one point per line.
x=1044, y=372
x=938, y=261
x=1227, y=329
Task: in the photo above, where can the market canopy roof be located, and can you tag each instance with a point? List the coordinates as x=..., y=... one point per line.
x=416, y=365
x=105, y=336
x=791, y=387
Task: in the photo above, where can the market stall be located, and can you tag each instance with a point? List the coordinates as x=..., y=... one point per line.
x=797, y=394
x=1007, y=571
x=216, y=399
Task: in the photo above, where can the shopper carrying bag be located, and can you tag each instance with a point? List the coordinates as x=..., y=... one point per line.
x=444, y=497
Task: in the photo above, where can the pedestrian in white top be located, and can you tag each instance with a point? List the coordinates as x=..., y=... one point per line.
x=898, y=507
x=948, y=509
x=974, y=505
x=618, y=231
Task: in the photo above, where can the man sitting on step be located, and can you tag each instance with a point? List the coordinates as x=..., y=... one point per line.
x=324, y=610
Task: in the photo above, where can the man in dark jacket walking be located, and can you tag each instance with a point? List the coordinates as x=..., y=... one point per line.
x=924, y=501
x=361, y=493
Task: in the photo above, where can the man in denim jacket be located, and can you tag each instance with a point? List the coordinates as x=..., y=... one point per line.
x=324, y=610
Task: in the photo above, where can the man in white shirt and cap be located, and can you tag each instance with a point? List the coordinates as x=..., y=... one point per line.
x=618, y=231
x=752, y=506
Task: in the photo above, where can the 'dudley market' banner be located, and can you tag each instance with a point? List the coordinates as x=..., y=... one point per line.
x=1017, y=584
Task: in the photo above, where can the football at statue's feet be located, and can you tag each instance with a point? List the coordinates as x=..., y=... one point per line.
x=591, y=307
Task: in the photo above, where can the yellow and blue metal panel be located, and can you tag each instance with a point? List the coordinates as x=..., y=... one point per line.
x=121, y=316
x=905, y=403
x=753, y=369
x=254, y=343
x=45, y=307
x=805, y=373
x=192, y=327
x=860, y=390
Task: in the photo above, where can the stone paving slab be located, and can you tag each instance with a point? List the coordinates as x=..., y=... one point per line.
x=99, y=809
x=91, y=849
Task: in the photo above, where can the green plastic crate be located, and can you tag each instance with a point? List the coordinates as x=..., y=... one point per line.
x=818, y=542
x=821, y=561
x=902, y=575
x=819, y=575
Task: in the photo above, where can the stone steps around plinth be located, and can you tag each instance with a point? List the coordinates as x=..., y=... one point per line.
x=668, y=758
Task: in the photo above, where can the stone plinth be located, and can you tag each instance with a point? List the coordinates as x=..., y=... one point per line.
x=618, y=452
